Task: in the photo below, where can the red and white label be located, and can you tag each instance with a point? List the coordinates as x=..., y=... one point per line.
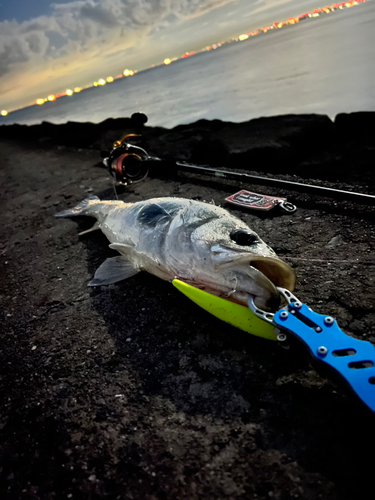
x=254, y=200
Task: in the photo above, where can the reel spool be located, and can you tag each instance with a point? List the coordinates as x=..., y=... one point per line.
x=126, y=162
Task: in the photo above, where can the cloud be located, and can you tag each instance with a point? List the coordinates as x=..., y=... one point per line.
x=80, y=24
x=84, y=40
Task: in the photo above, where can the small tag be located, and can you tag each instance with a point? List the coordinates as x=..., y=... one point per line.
x=254, y=200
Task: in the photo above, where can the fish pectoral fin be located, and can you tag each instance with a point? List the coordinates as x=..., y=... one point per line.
x=121, y=248
x=95, y=227
x=113, y=270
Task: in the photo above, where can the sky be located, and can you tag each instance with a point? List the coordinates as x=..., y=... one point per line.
x=48, y=46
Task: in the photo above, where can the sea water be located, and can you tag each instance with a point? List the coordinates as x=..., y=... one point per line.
x=321, y=65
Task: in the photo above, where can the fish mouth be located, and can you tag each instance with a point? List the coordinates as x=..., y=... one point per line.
x=255, y=275
x=271, y=273
x=277, y=271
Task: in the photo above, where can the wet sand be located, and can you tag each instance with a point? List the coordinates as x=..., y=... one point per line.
x=131, y=391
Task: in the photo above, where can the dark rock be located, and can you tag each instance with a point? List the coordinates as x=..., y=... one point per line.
x=212, y=152
x=307, y=145
x=356, y=127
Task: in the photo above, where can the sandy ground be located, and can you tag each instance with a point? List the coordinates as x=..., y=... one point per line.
x=131, y=391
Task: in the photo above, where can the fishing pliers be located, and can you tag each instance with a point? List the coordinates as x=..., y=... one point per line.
x=351, y=359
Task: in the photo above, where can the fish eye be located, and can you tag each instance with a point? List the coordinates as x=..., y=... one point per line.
x=243, y=238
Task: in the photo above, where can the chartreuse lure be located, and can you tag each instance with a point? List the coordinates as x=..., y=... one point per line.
x=352, y=359
x=235, y=314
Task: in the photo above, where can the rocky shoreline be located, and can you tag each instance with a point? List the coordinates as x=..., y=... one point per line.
x=305, y=145
x=131, y=391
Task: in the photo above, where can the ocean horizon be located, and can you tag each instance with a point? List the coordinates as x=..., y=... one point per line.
x=323, y=65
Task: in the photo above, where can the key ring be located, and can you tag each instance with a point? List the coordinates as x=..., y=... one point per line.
x=287, y=206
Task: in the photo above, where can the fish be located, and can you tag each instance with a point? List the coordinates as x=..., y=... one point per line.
x=193, y=241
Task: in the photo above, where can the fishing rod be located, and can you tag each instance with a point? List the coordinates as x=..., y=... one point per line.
x=271, y=181
x=129, y=164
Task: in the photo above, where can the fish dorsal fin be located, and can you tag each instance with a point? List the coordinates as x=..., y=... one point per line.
x=113, y=270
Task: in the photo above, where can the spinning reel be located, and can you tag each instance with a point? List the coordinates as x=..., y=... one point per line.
x=126, y=162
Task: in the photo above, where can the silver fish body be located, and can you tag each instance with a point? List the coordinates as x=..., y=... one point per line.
x=188, y=240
